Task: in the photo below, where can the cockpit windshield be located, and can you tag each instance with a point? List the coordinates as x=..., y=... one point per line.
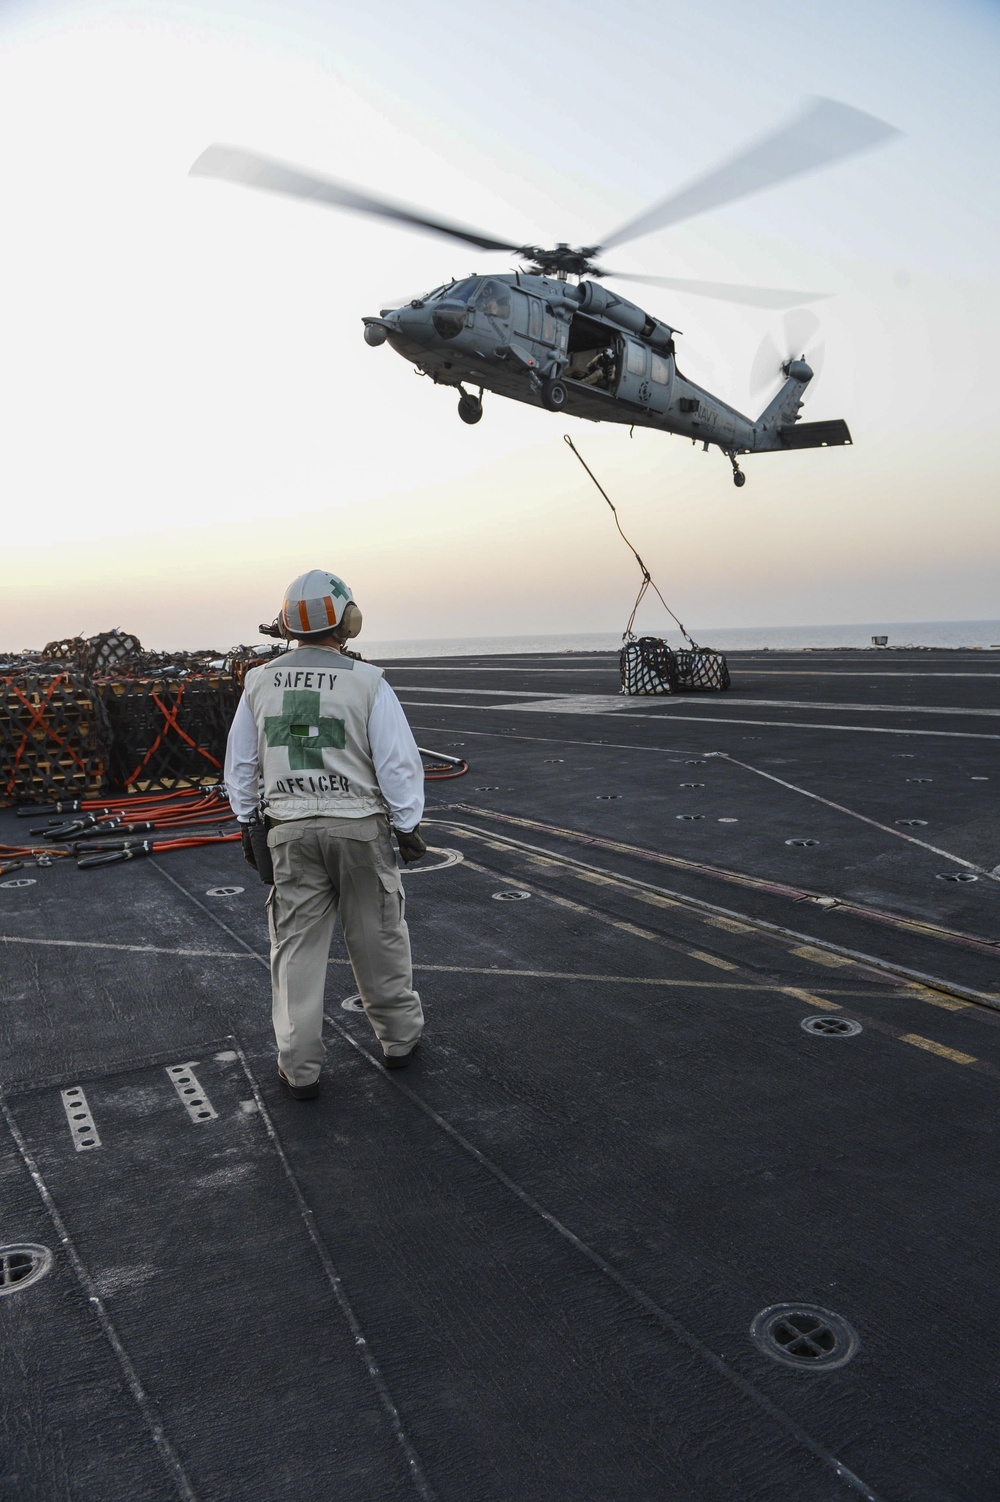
x=456, y=291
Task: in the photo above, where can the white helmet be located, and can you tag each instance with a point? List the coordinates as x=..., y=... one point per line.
x=318, y=602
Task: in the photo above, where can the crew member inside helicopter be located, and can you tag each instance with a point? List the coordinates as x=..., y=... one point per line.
x=599, y=371
x=494, y=300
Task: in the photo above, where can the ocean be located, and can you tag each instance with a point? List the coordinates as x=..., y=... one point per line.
x=951, y=634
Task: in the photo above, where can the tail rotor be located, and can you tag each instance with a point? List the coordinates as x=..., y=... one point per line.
x=797, y=342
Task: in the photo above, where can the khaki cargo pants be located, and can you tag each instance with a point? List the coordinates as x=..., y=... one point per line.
x=320, y=865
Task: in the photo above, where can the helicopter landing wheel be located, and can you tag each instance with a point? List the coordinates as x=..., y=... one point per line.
x=554, y=395
x=470, y=408
x=739, y=478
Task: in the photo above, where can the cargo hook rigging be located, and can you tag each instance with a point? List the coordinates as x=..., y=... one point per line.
x=647, y=579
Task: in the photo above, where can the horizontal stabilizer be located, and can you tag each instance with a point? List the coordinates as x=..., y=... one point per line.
x=815, y=435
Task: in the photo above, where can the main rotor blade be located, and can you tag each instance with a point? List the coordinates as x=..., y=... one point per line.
x=235, y=165
x=825, y=132
x=755, y=297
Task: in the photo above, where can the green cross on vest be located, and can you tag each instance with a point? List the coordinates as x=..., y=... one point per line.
x=302, y=728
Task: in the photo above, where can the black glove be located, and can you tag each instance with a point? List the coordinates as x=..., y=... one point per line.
x=411, y=846
x=247, y=841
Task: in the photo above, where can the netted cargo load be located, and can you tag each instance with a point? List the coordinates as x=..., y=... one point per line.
x=242, y=659
x=702, y=668
x=179, y=664
x=22, y=662
x=54, y=737
x=111, y=652
x=168, y=733
x=648, y=666
x=70, y=649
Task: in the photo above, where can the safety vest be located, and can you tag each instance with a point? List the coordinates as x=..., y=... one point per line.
x=311, y=709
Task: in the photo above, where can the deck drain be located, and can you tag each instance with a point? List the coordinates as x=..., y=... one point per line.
x=352, y=1003
x=956, y=876
x=607, y=797
x=689, y=816
x=552, y=761
x=913, y=823
x=510, y=896
x=696, y=763
x=489, y=787
x=727, y=821
x=21, y=1264
x=979, y=779
x=802, y=842
x=223, y=891
x=804, y=1336
x=831, y=1027
x=19, y=881
x=920, y=779
x=691, y=784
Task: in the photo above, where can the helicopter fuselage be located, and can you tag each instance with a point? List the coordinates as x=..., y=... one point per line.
x=582, y=349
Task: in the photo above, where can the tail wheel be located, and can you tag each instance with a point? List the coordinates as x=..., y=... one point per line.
x=554, y=395
x=739, y=478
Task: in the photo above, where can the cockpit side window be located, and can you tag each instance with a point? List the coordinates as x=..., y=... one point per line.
x=494, y=299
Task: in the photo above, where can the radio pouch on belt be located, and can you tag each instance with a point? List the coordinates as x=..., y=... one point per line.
x=262, y=855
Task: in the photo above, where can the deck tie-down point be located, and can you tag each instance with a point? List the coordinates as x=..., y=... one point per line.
x=21, y=1264
x=804, y=1336
x=831, y=1027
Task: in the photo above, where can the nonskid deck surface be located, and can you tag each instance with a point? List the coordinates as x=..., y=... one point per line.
x=527, y=1267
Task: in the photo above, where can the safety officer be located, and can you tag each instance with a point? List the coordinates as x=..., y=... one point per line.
x=320, y=743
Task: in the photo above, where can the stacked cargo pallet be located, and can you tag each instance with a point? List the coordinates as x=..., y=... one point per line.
x=100, y=715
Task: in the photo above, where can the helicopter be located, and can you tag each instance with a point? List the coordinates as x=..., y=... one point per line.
x=550, y=334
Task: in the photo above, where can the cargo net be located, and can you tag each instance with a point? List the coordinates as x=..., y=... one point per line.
x=108, y=652
x=70, y=649
x=54, y=737
x=168, y=733
x=111, y=652
x=702, y=668
x=649, y=666
x=242, y=659
x=180, y=664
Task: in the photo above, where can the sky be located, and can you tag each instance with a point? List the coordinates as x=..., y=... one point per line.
x=190, y=416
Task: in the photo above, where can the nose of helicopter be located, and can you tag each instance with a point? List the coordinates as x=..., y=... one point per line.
x=413, y=320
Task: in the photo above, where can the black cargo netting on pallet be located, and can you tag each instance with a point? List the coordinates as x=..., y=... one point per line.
x=702, y=668
x=168, y=734
x=179, y=665
x=54, y=737
x=648, y=666
x=71, y=649
x=242, y=659
x=111, y=651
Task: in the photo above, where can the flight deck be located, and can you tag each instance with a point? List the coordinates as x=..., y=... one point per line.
x=690, y=1194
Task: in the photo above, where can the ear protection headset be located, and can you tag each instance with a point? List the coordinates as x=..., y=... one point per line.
x=350, y=622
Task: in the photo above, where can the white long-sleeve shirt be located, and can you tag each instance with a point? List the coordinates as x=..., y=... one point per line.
x=398, y=767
